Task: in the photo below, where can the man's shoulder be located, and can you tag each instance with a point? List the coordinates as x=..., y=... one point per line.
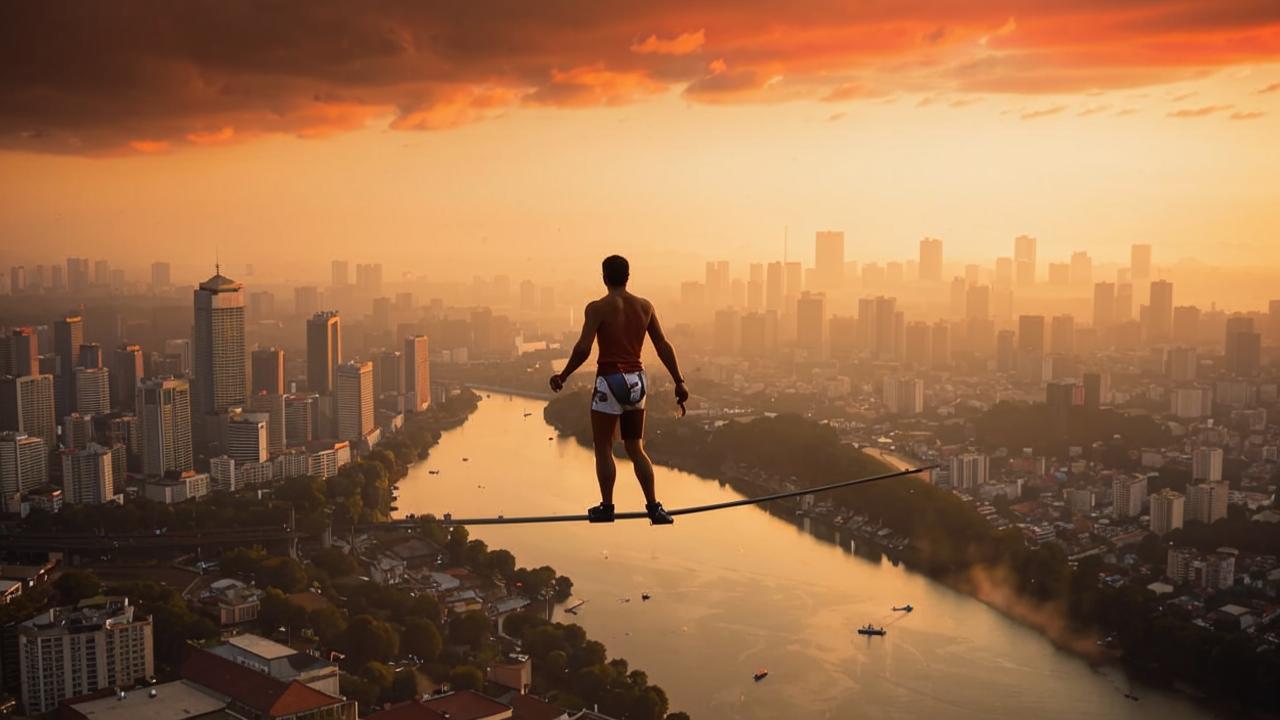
x=642, y=302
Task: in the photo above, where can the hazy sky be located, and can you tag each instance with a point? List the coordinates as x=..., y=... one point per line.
x=427, y=134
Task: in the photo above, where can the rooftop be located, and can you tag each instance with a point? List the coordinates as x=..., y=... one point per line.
x=260, y=646
x=178, y=699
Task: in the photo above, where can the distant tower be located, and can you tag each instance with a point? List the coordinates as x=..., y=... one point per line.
x=354, y=395
x=417, y=372
x=1140, y=262
x=931, y=260
x=828, y=262
x=268, y=371
x=1160, y=312
x=324, y=350
x=1024, y=259
x=219, y=377
x=68, y=336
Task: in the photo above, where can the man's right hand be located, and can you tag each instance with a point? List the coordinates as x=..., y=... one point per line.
x=682, y=396
x=557, y=383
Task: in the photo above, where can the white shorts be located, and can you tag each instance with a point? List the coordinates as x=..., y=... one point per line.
x=606, y=401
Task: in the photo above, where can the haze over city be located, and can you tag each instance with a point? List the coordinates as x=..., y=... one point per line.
x=941, y=339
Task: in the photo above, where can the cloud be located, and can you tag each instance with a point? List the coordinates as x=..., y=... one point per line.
x=682, y=44
x=1043, y=112
x=1093, y=110
x=1273, y=87
x=834, y=117
x=134, y=75
x=1247, y=115
x=1183, y=96
x=1198, y=111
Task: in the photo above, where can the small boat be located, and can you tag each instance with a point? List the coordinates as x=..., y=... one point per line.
x=760, y=674
x=433, y=472
x=904, y=608
x=645, y=596
x=466, y=459
x=870, y=629
x=527, y=414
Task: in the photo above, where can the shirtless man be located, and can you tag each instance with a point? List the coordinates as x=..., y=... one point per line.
x=620, y=320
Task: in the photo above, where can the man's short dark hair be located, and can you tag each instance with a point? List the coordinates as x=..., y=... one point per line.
x=616, y=271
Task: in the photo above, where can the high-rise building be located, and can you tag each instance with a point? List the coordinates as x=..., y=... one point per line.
x=20, y=353
x=1024, y=259
x=93, y=390
x=68, y=652
x=1081, y=268
x=388, y=373
x=1095, y=387
x=828, y=262
x=77, y=275
x=1160, y=312
x=1005, y=274
x=126, y=372
x=811, y=320
x=1167, y=509
x=246, y=438
x=773, y=289
x=931, y=260
x=27, y=405
x=87, y=475
x=24, y=466
x=1207, y=502
x=1206, y=464
x=759, y=334
x=273, y=407
x=89, y=356
x=793, y=279
x=959, y=290
x=219, y=379
x=417, y=365
x=1059, y=274
x=306, y=301
x=1031, y=333
x=160, y=275
x=68, y=336
x=1006, y=351
x=164, y=424
x=77, y=431
x=726, y=332
x=940, y=345
x=339, y=277
x=369, y=281
x=755, y=287
x=1140, y=262
x=267, y=365
x=918, y=344
x=324, y=350
x=1182, y=364
x=1124, y=303
x=1127, y=494
x=1186, y=324
x=300, y=417
x=1104, y=305
x=354, y=400
x=17, y=280
x=980, y=330
x=902, y=396
x=969, y=471
x=1062, y=334
x=1243, y=347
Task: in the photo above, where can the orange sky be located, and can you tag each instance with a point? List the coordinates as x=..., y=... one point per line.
x=432, y=134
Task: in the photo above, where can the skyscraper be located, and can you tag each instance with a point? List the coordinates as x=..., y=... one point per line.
x=93, y=390
x=126, y=372
x=339, y=275
x=1243, y=347
x=1206, y=464
x=306, y=301
x=980, y=331
x=324, y=350
x=24, y=466
x=884, y=341
x=1186, y=324
x=931, y=260
x=164, y=422
x=417, y=365
x=267, y=365
x=27, y=405
x=273, y=407
x=1140, y=262
x=1062, y=334
x=828, y=259
x=1081, y=268
x=1167, y=509
x=89, y=356
x=20, y=353
x=388, y=373
x=1024, y=259
x=1123, y=303
x=755, y=287
x=773, y=288
x=219, y=379
x=299, y=419
x=354, y=400
x=1160, y=312
x=160, y=276
x=811, y=321
x=1127, y=494
x=1207, y=502
x=87, y=475
x=77, y=275
x=68, y=336
x=246, y=440
x=969, y=471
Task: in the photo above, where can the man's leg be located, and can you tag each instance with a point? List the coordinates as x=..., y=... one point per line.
x=633, y=440
x=602, y=429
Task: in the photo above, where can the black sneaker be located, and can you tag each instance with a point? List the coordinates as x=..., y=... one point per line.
x=602, y=513
x=658, y=515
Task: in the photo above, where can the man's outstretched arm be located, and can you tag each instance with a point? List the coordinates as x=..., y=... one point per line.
x=581, y=349
x=667, y=354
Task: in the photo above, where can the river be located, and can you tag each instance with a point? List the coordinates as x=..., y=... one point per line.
x=737, y=590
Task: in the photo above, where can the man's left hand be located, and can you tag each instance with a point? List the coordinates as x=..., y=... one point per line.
x=557, y=383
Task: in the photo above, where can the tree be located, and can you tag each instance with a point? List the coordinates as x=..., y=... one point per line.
x=466, y=677
x=278, y=611
x=678, y=716
x=76, y=585
x=335, y=562
x=405, y=686
x=362, y=691
x=501, y=563
x=421, y=639
x=284, y=573
x=379, y=674
x=470, y=629
x=328, y=623
x=367, y=639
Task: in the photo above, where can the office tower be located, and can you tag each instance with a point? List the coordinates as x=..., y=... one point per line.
x=77, y=275
x=160, y=277
x=726, y=332
x=388, y=373
x=339, y=276
x=1207, y=502
x=17, y=280
x=218, y=380
x=876, y=326
x=1186, y=324
x=1024, y=259
x=306, y=301
x=760, y=334
x=1243, y=347
x=940, y=343
x=793, y=279
x=89, y=356
x=1059, y=274
x=828, y=260
x=87, y=475
x=260, y=306
x=164, y=424
x=300, y=417
x=1081, y=268
x=369, y=282
x=246, y=438
x=324, y=350
x=68, y=336
x=267, y=366
x=272, y=406
x=1160, y=312
x=1093, y=390
x=1127, y=494
x=528, y=296
x=380, y=319
x=811, y=319
x=1006, y=351
x=1031, y=334
x=969, y=471
x=24, y=466
x=917, y=346
x=77, y=431
x=126, y=372
x=102, y=272
x=1140, y=262
x=979, y=328
x=179, y=350
x=773, y=289
x=755, y=287
x=1182, y=364
x=20, y=353
x=27, y=405
x=417, y=365
x=1166, y=511
x=902, y=396
x=716, y=281
x=79, y=650
x=842, y=337
x=93, y=390
x=930, y=261
x=1062, y=334
x=354, y=400
x=1206, y=464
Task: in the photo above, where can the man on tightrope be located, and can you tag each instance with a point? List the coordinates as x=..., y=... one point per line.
x=620, y=321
